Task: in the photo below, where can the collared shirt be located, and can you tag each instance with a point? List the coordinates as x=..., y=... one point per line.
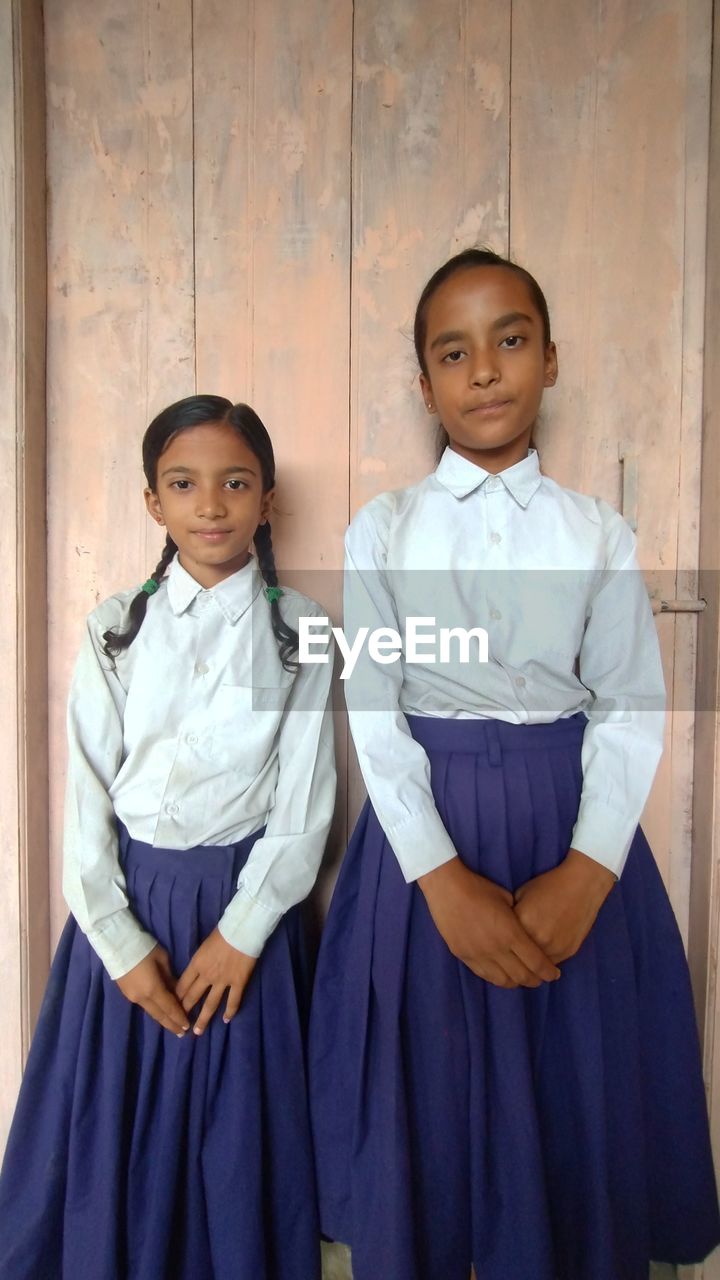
x=551, y=577
x=196, y=736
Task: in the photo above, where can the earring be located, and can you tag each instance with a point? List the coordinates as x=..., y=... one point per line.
x=430, y=407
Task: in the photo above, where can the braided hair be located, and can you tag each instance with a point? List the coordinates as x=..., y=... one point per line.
x=463, y=262
x=195, y=411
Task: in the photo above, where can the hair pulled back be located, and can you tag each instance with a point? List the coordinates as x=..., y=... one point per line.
x=465, y=261
x=195, y=411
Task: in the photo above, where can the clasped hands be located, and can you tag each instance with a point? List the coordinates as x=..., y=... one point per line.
x=216, y=967
x=517, y=941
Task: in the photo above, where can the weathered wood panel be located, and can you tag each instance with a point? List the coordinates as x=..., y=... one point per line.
x=23, y=625
x=705, y=897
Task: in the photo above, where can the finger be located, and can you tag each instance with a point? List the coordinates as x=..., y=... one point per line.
x=158, y=1014
x=212, y=1000
x=186, y=979
x=532, y=956
x=519, y=972
x=234, y=1001
x=195, y=993
x=162, y=960
x=172, y=1009
x=491, y=972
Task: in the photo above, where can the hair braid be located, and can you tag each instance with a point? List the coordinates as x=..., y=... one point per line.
x=117, y=641
x=288, y=640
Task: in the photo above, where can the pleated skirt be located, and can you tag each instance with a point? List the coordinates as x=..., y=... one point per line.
x=558, y=1133
x=135, y=1155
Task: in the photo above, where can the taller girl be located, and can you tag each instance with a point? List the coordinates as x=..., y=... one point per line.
x=505, y=1063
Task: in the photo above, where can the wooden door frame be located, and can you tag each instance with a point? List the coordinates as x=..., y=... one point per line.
x=24, y=873
x=705, y=880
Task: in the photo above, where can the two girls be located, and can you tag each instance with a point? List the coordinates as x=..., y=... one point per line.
x=504, y=1059
x=162, y=1129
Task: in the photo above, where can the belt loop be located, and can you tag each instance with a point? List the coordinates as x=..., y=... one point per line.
x=493, y=743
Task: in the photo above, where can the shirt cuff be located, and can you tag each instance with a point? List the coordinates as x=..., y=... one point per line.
x=246, y=924
x=121, y=942
x=420, y=843
x=604, y=835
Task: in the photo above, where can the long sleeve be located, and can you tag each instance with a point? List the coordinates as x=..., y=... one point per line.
x=620, y=665
x=284, y=862
x=93, y=883
x=395, y=768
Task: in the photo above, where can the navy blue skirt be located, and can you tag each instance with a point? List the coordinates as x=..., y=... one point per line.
x=135, y=1155
x=558, y=1133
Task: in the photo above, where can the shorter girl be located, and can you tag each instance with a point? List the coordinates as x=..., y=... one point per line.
x=504, y=1059
x=158, y=1136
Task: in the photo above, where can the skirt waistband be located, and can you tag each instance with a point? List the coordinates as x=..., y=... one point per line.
x=207, y=860
x=493, y=737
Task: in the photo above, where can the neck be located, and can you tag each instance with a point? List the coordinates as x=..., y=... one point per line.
x=495, y=460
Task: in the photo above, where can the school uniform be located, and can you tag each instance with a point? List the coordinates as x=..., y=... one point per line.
x=557, y=1133
x=200, y=792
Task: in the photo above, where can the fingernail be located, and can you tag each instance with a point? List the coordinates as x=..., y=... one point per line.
x=180, y=1035
x=197, y=1031
x=186, y=1026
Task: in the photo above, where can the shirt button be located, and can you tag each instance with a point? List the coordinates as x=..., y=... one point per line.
x=171, y=809
x=495, y=537
x=191, y=739
x=520, y=682
x=201, y=668
x=495, y=613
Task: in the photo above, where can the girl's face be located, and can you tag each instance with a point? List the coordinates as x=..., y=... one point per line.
x=487, y=364
x=209, y=497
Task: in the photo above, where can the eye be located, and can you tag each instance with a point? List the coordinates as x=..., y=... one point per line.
x=453, y=357
x=181, y=485
x=236, y=484
x=512, y=341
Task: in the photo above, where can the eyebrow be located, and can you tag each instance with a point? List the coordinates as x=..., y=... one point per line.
x=502, y=322
x=227, y=471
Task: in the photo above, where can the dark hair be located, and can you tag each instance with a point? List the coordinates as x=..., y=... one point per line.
x=195, y=411
x=463, y=262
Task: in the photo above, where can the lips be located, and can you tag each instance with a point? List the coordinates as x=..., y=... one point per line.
x=212, y=535
x=488, y=409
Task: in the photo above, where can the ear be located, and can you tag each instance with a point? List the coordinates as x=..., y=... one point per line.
x=427, y=393
x=551, y=365
x=266, y=506
x=152, y=502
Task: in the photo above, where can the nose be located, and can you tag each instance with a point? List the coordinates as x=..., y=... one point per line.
x=210, y=503
x=484, y=369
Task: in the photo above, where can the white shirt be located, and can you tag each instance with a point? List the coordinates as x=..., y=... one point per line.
x=197, y=736
x=552, y=577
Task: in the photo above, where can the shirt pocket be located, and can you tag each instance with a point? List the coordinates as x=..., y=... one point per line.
x=246, y=723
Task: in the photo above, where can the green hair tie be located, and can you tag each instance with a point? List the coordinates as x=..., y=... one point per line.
x=150, y=587
x=274, y=593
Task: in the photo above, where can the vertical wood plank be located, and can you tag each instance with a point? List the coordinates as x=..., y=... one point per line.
x=599, y=179
x=272, y=194
x=121, y=332
x=23, y=630
x=430, y=177
x=705, y=886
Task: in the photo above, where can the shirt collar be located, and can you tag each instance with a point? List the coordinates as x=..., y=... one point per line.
x=460, y=476
x=233, y=595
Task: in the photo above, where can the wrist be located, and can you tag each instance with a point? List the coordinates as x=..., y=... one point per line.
x=440, y=877
x=594, y=876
